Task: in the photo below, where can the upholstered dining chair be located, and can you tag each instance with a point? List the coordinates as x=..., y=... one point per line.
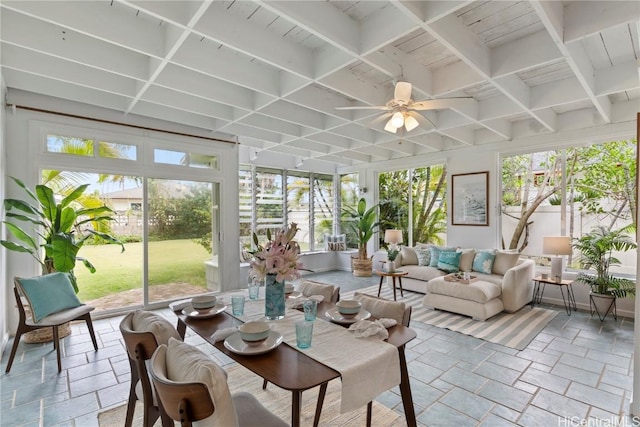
x=383, y=308
x=53, y=303
x=143, y=331
x=192, y=387
x=330, y=293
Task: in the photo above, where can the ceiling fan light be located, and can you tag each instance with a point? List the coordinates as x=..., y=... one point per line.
x=397, y=119
x=389, y=127
x=410, y=123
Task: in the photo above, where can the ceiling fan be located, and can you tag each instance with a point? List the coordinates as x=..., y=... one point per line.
x=401, y=110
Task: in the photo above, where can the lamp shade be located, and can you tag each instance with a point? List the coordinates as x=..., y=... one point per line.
x=556, y=245
x=397, y=119
x=393, y=236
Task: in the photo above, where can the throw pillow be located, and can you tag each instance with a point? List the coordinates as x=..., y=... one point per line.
x=408, y=256
x=435, y=254
x=483, y=261
x=423, y=255
x=449, y=261
x=504, y=261
x=161, y=328
x=466, y=259
x=381, y=308
x=48, y=294
x=185, y=363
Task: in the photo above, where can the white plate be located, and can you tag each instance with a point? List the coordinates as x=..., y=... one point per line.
x=191, y=312
x=294, y=294
x=235, y=344
x=334, y=315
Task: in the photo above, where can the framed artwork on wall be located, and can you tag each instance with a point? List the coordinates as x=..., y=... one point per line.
x=470, y=198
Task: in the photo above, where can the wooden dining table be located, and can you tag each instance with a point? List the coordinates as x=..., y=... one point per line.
x=292, y=370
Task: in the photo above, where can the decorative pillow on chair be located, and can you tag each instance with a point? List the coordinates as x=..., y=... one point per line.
x=423, y=255
x=185, y=363
x=48, y=294
x=449, y=261
x=160, y=327
x=483, y=261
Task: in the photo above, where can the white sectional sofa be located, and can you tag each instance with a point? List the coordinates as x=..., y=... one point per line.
x=509, y=287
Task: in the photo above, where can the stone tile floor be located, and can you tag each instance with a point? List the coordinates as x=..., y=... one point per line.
x=577, y=371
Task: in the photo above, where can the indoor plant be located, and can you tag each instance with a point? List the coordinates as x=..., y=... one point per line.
x=596, y=253
x=363, y=225
x=276, y=262
x=64, y=226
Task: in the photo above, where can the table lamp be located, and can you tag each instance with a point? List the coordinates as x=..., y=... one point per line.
x=393, y=238
x=556, y=245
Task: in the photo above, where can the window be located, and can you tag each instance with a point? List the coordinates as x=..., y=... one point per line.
x=269, y=202
x=598, y=187
x=181, y=158
x=88, y=147
x=245, y=211
x=323, y=208
x=298, y=205
x=349, y=196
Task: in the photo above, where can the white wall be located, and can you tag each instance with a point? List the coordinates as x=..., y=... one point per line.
x=4, y=334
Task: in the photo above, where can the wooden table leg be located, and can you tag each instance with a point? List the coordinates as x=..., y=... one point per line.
x=400, y=284
x=405, y=390
x=394, y=287
x=182, y=328
x=295, y=408
x=380, y=287
x=321, y=394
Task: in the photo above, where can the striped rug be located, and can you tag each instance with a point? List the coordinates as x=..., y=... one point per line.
x=514, y=330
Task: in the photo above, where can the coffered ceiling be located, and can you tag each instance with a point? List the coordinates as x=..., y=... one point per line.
x=271, y=73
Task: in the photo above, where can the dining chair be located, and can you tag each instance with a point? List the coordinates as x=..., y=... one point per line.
x=192, y=387
x=383, y=308
x=142, y=332
x=330, y=293
x=53, y=303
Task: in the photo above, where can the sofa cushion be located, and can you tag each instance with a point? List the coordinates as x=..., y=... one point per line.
x=483, y=261
x=478, y=291
x=449, y=261
x=466, y=259
x=423, y=255
x=408, y=256
x=422, y=273
x=504, y=261
x=435, y=254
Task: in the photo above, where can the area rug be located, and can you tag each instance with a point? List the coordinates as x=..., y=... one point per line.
x=514, y=330
x=278, y=401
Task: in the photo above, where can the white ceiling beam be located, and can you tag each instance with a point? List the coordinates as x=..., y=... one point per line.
x=292, y=113
x=463, y=135
x=384, y=25
x=552, y=16
x=558, y=92
x=161, y=112
x=618, y=78
x=182, y=101
x=272, y=124
x=520, y=94
x=347, y=83
x=586, y=18
x=508, y=58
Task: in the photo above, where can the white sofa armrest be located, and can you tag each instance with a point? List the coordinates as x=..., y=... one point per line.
x=517, y=285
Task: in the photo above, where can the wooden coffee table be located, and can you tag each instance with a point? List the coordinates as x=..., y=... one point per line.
x=393, y=275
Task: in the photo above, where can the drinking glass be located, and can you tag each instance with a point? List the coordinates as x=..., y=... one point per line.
x=310, y=307
x=237, y=305
x=254, y=289
x=304, y=332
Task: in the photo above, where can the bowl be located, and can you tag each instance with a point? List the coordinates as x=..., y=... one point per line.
x=254, y=333
x=348, y=307
x=288, y=288
x=203, y=303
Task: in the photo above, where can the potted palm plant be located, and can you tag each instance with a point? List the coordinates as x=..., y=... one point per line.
x=363, y=223
x=61, y=224
x=596, y=254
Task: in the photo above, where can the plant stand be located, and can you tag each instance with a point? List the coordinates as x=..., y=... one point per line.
x=602, y=305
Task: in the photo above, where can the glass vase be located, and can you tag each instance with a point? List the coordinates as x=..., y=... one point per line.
x=274, y=298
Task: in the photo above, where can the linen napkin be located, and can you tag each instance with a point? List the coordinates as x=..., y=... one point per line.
x=222, y=334
x=297, y=302
x=367, y=328
x=180, y=305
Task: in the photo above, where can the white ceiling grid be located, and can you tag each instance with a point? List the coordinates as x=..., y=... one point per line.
x=271, y=73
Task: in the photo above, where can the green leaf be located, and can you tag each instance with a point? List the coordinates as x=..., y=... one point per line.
x=67, y=219
x=16, y=247
x=75, y=194
x=24, y=187
x=64, y=252
x=94, y=211
x=21, y=235
x=88, y=264
x=22, y=206
x=101, y=219
x=107, y=237
x=47, y=201
x=25, y=219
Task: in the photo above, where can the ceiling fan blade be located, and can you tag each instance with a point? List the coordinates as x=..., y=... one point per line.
x=402, y=93
x=364, y=107
x=422, y=120
x=378, y=120
x=440, y=104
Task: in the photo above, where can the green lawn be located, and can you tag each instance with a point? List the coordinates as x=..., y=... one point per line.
x=169, y=261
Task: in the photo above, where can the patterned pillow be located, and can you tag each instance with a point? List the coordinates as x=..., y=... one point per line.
x=435, y=254
x=424, y=256
x=449, y=261
x=483, y=261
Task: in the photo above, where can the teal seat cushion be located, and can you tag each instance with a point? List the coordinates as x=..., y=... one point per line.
x=483, y=261
x=48, y=294
x=449, y=261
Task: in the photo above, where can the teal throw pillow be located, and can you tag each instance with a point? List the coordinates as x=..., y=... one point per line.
x=483, y=261
x=449, y=261
x=435, y=254
x=424, y=256
x=49, y=294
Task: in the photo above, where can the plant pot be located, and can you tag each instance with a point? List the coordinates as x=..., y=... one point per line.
x=602, y=305
x=362, y=267
x=391, y=266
